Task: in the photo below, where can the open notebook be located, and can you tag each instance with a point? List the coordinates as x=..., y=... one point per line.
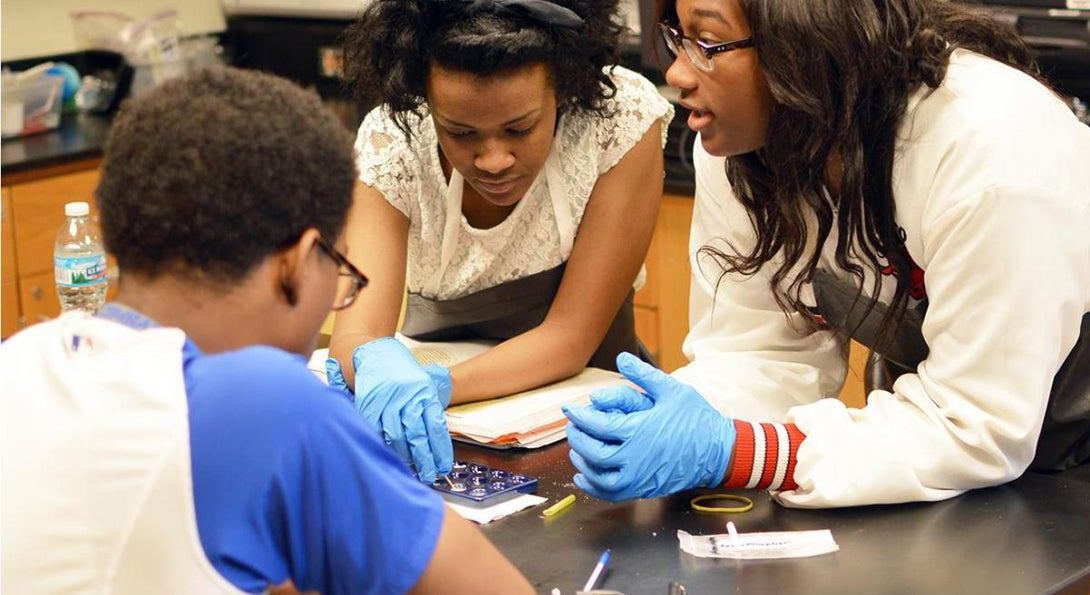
x=528, y=419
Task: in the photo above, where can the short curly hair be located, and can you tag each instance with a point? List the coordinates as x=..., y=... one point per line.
x=211, y=173
x=389, y=50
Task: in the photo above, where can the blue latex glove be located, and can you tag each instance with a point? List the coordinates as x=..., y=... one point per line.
x=627, y=444
x=404, y=401
x=335, y=377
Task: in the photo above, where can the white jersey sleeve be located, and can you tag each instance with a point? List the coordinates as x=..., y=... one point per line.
x=748, y=358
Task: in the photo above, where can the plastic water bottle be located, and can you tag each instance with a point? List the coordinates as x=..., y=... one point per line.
x=79, y=261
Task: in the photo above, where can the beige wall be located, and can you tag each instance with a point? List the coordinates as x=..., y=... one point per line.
x=32, y=28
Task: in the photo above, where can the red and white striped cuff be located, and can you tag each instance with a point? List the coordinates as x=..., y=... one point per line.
x=764, y=456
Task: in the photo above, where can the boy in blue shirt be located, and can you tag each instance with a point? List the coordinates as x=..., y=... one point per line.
x=176, y=442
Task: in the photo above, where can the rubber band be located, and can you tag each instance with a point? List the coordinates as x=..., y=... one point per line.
x=746, y=503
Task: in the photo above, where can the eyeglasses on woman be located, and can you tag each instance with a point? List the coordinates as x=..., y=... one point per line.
x=699, y=52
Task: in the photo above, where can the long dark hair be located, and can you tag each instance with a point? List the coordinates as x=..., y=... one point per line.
x=390, y=48
x=841, y=73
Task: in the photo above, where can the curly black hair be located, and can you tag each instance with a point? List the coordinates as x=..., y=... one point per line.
x=389, y=50
x=210, y=173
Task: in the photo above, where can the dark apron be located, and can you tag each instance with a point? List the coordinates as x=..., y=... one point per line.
x=510, y=309
x=1065, y=435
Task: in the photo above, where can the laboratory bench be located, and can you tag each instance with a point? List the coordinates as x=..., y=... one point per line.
x=1029, y=536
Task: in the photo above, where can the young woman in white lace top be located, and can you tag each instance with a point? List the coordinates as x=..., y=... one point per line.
x=509, y=181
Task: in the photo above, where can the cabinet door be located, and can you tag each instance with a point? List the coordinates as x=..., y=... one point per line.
x=672, y=233
x=646, y=300
x=38, y=295
x=39, y=298
x=647, y=329
x=38, y=212
x=648, y=295
x=9, y=288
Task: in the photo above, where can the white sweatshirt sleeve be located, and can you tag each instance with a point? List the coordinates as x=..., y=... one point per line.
x=748, y=358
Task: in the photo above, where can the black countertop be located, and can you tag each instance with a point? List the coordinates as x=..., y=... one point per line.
x=1029, y=536
x=79, y=136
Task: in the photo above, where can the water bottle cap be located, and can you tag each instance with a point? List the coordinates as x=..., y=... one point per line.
x=76, y=209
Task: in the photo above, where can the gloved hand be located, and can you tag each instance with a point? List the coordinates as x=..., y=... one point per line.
x=404, y=401
x=627, y=444
x=335, y=378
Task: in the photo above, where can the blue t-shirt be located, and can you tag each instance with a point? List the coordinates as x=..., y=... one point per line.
x=289, y=482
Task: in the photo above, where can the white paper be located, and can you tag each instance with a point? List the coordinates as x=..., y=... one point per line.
x=316, y=363
x=529, y=440
x=486, y=513
x=444, y=353
x=758, y=546
x=426, y=352
x=529, y=411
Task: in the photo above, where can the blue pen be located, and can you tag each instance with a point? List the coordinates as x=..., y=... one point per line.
x=602, y=561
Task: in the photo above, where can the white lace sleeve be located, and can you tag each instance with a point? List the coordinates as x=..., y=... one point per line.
x=385, y=162
x=636, y=106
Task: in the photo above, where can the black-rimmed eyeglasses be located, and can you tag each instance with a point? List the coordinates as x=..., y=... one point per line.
x=699, y=53
x=349, y=281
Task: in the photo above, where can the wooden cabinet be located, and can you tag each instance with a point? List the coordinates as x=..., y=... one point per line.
x=38, y=298
x=645, y=304
x=33, y=212
x=853, y=394
x=662, y=305
x=9, y=285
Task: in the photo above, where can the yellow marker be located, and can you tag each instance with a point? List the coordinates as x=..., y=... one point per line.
x=555, y=508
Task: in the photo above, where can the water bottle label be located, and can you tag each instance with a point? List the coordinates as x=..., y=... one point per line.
x=79, y=271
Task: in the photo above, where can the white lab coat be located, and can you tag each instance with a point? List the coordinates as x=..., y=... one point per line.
x=992, y=183
x=97, y=490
